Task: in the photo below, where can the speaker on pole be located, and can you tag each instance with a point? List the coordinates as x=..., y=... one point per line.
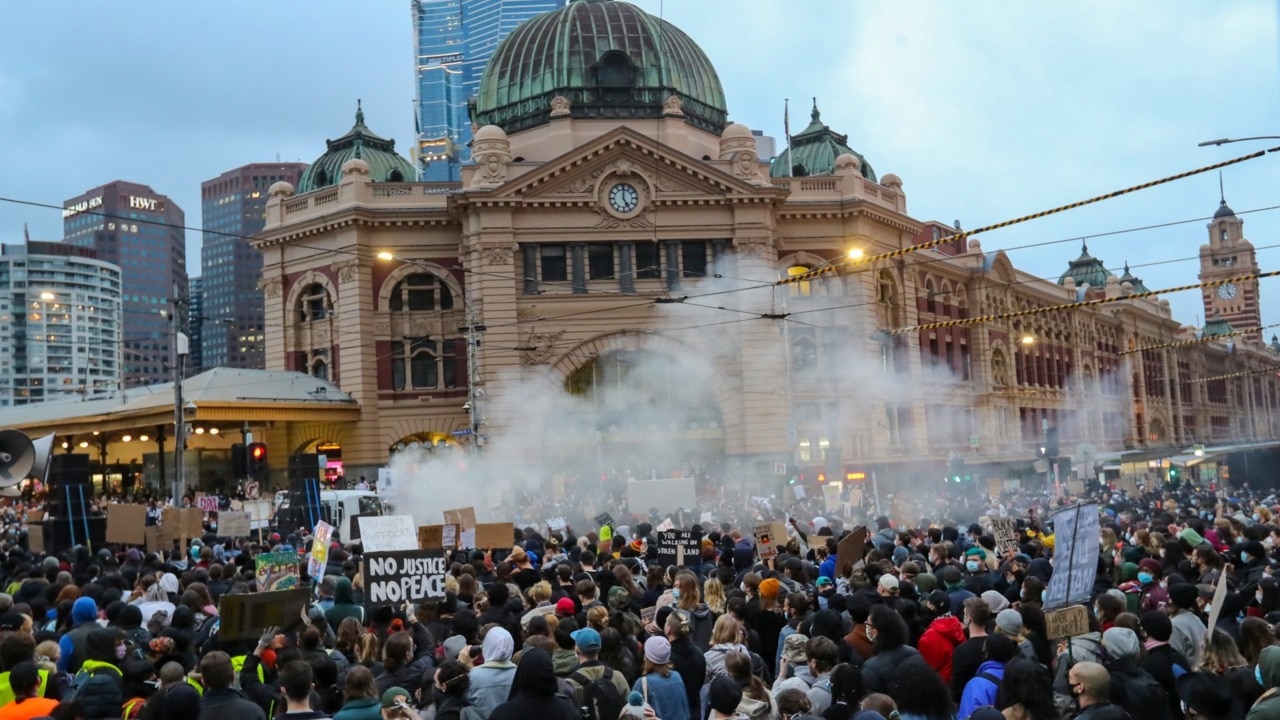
x=21, y=457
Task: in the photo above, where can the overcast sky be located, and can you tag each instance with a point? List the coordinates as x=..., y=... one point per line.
x=986, y=110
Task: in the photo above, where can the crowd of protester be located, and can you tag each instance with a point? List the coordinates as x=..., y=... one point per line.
x=933, y=623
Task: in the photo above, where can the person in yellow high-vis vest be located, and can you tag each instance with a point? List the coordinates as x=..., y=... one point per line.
x=27, y=702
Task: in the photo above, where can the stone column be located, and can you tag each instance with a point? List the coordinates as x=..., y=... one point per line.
x=363, y=450
x=529, y=254
x=672, y=248
x=626, y=266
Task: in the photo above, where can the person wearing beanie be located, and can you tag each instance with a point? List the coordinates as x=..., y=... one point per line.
x=1152, y=596
x=1188, y=629
x=84, y=619
x=723, y=696
x=660, y=685
x=1163, y=662
x=1009, y=624
x=953, y=583
x=1130, y=684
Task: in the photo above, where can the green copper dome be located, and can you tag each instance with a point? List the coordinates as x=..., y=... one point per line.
x=385, y=165
x=1086, y=270
x=610, y=59
x=1216, y=326
x=816, y=149
x=1135, y=282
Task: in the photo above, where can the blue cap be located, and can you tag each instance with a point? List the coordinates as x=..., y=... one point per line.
x=587, y=639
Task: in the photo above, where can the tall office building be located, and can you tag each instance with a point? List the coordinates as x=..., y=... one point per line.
x=60, y=324
x=195, y=326
x=141, y=231
x=233, y=208
x=454, y=41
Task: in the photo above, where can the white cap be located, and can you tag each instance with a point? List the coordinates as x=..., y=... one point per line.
x=888, y=582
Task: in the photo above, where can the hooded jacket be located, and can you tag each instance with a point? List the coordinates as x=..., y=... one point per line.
x=492, y=682
x=939, y=642
x=84, y=618
x=981, y=691
x=1268, y=706
x=534, y=692
x=344, y=604
x=100, y=681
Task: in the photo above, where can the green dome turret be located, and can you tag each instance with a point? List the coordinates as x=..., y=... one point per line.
x=816, y=149
x=385, y=165
x=1086, y=270
x=1216, y=326
x=1135, y=282
x=610, y=60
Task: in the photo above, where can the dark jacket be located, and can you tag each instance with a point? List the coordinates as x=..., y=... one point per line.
x=1160, y=662
x=689, y=661
x=879, y=670
x=450, y=707
x=534, y=692
x=408, y=676
x=100, y=681
x=344, y=605
x=1105, y=711
x=228, y=704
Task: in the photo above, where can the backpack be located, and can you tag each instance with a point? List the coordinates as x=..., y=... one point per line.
x=600, y=699
x=82, y=678
x=1145, y=696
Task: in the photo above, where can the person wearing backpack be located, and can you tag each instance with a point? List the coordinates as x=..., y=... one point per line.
x=1132, y=688
x=984, y=688
x=598, y=691
x=99, y=684
x=535, y=692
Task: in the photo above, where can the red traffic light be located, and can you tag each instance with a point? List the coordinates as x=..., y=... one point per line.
x=259, y=452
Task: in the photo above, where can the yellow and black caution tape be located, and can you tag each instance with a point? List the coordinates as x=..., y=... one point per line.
x=1242, y=373
x=1205, y=339
x=819, y=272
x=1083, y=303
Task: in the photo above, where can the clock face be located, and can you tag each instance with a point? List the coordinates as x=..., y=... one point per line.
x=624, y=198
x=1227, y=292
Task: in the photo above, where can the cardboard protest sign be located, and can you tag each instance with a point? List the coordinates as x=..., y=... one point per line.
x=1067, y=622
x=186, y=522
x=557, y=523
x=648, y=615
x=430, y=536
x=464, y=517
x=387, y=533
x=35, y=538
x=159, y=539
x=233, y=524
x=705, y=517
x=679, y=547
x=1075, y=556
x=319, y=549
x=393, y=578
x=1219, y=596
x=245, y=617
x=799, y=491
x=831, y=497
x=260, y=512
x=665, y=525
x=604, y=519
x=768, y=537
x=1006, y=532
x=490, y=536
x=127, y=524
x=850, y=550
x=207, y=503
x=276, y=571
x=449, y=537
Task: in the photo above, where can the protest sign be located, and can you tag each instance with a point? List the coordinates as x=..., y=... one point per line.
x=1067, y=622
x=648, y=615
x=799, y=491
x=449, y=537
x=159, y=539
x=246, y=616
x=557, y=523
x=1075, y=556
x=1219, y=597
x=604, y=519
x=665, y=525
x=393, y=578
x=319, y=549
x=127, y=524
x=233, y=524
x=276, y=571
x=705, y=517
x=679, y=547
x=260, y=512
x=831, y=498
x=768, y=537
x=430, y=537
x=850, y=550
x=1006, y=532
x=463, y=517
x=186, y=522
x=491, y=536
x=207, y=503
x=35, y=538
x=388, y=532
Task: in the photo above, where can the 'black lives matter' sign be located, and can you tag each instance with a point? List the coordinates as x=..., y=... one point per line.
x=395, y=577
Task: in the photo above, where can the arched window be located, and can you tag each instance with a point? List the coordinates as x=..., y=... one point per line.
x=615, y=70
x=318, y=363
x=320, y=369
x=804, y=352
x=804, y=288
x=322, y=178
x=421, y=292
x=395, y=176
x=314, y=303
x=424, y=364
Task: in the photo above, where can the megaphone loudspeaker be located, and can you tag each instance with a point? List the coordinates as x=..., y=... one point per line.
x=17, y=457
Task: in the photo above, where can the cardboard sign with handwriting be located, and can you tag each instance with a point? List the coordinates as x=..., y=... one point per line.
x=430, y=536
x=244, y=617
x=160, y=539
x=490, y=536
x=127, y=524
x=463, y=517
x=187, y=522
x=1068, y=622
x=851, y=549
x=233, y=524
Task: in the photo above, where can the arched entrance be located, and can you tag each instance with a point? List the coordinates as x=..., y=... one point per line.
x=641, y=412
x=332, y=452
x=429, y=442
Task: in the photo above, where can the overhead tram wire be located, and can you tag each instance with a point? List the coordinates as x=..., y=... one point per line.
x=1082, y=304
x=870, y=259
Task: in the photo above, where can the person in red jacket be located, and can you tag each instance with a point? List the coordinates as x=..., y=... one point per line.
x=942, y=636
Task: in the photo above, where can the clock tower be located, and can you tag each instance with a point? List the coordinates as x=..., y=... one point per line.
x=1229, y=255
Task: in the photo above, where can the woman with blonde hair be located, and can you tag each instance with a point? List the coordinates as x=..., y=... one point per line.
x=714, y=593
x=726, y=637
x=689, y=599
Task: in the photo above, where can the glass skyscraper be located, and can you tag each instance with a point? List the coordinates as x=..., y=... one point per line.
x=454, y=40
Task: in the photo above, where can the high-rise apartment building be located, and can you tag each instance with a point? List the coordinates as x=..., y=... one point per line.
x=233, y=208
x=60, y=324
x=141, y=231
x=454, y=40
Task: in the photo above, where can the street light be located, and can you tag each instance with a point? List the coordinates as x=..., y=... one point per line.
x=1226, y=141
x=1028, y=340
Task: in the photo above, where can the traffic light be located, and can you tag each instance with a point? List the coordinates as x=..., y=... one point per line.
x=239, y=461
x=257, y=461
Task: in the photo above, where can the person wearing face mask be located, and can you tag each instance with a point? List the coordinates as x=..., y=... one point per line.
x=1153, y=595
x=1253, y=563
x=99, y=684
x=977, y=576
